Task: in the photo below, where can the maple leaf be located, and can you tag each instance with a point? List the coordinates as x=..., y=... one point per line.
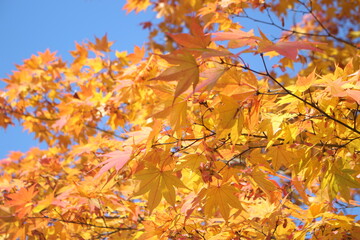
x=197, y=38
x=186, y=72
x=102, y=45
x=61, y=122
x=261, y=180
x=336, y=88
x=22, y=200
x=146, y=25
x=341, y=88
x=43, y=204
x=47, y=57
x=211, y=76
x=228, y=110
x=221, y=197
x=303, y=83
x=115, y=159
x=137, y=56
x=80, y=54
x=237, y=38
x=159, y=184
x=176, y=114
x=136, y=5
x=339, y=180
x=299, y=186
x=209, y=52
x=191, y=161
x=287, y=49
x=354, y=94
x=253, y=117
x=280, y=157
x=137, y=137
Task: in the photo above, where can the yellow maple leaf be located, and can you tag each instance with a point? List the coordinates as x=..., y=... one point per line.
x=221, y=198
x=228, y=111
x=280, y=156
x=261, y=180
x=159, y=184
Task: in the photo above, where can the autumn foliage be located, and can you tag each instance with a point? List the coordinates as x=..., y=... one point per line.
x=211, y=131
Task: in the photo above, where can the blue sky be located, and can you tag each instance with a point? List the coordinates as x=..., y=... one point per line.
x=29, y=27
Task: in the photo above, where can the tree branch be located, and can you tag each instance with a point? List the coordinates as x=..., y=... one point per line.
x=304, y=101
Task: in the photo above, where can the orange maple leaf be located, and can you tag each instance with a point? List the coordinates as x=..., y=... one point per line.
x=136, y=5
x=47, y=56
x=137, y=56
x=197, y=38
x=22, y=200
x=185, y=72
x=102, y=45
x=303, y=83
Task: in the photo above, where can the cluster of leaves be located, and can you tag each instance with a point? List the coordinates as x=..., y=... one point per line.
x=195, y=143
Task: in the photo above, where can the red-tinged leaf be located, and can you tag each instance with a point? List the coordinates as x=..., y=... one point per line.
x=123, y=83
x=59, y=124
x=237, y=38
x=197, y=38
x=146, y=25
x=287, y=49
x=335, y=88
x=209, y=53
x=138, y=137
x=290, y=49
x=354, y=94
x=211, y=76
x=116, y=159
x=234, y=34
x=186, y=72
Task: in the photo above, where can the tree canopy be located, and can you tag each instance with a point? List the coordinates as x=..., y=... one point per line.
x=210, y=131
